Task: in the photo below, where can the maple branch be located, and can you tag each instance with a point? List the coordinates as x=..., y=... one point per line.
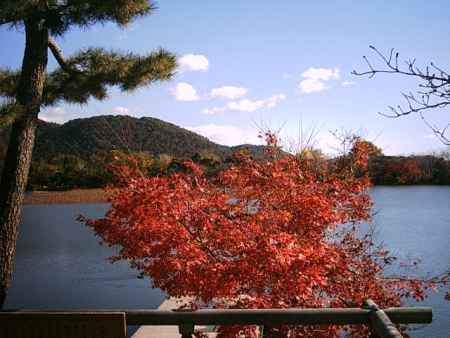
x=442, y=279
x=209, y=252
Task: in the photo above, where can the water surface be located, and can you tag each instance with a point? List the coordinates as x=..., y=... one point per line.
x=414, y=222
x=60, y=265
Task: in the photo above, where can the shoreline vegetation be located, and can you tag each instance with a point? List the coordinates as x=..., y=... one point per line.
x=40, y=197
x=99, y=195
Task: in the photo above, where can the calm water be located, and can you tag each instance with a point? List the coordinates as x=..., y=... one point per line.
x=415, y=222
x=60, y=264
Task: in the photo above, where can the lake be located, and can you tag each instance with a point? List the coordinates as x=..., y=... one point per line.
x=60, y=264
x=415, y=222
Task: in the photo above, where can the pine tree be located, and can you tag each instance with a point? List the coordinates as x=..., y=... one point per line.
x=85, y=75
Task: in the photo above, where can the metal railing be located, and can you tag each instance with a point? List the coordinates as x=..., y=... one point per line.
x=381, y=321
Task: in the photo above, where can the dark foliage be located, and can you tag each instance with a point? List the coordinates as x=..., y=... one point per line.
x=101, y=134
x=60, y=15
x=401, y=170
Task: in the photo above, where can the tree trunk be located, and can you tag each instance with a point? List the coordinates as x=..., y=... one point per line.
x=18, y=158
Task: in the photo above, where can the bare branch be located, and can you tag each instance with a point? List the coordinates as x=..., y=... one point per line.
x=440, y=133
x=434, y=89
x=393, y=68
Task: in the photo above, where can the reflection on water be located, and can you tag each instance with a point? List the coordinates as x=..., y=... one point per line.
x=59, y=263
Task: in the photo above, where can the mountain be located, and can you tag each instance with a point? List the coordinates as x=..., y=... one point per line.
x=84, y=137
x=73, y=154
x=100, y=134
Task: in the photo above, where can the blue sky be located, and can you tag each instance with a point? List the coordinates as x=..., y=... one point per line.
x=258, y=62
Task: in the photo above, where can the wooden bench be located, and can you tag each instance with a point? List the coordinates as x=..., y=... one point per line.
x=34, y=324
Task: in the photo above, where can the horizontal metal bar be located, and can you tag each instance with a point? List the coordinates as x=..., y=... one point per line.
x=251, y=317
x=338, y=316
x=410, y=315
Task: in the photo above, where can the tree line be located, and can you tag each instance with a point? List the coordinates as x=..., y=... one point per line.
x=69, y=171
x=408, y=170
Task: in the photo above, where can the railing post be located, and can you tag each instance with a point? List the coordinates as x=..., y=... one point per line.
x=381, y=325
x=186, y=330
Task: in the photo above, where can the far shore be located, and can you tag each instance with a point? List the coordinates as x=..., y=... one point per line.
x=65, y=197
x=98, y=195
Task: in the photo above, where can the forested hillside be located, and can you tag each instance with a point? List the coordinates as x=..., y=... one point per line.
x=74, y=154
x=84, y=137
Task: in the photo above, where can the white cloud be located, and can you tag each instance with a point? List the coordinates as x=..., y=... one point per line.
x=310, y=86
x=56, y=115
x=348, y=83
x=193, y=62
x=274, y=100
x=315, y=79
x=227, y=134
x=214, y=110
x=185, y=92
x=247, y=105
x=229, y=92
x=324, y=74
x=121, y=110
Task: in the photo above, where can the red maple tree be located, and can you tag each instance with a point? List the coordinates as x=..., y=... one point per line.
x=279, y=232
x=404, y=171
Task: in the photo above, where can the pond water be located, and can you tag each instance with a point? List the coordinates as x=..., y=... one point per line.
x=60, y=265
x=415, y=222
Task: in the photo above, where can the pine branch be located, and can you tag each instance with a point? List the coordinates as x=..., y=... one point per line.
x=13, y=11
x=8, y=83
x=86, y=13
x=90, y=73
x=9, y=19
x=8, y=112
x=97, y=69
x=59, y=16
x=57, y=53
